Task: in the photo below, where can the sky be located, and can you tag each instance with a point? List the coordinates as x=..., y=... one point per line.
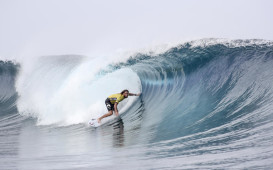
x=101, y=27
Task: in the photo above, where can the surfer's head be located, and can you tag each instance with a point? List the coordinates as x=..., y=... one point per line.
x=125, y=93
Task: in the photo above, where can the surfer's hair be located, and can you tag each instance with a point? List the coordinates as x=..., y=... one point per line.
x=123, y=91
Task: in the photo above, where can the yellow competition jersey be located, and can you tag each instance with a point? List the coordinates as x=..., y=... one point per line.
x=116, y=98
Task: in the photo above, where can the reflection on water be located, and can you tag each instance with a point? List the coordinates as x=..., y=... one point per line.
x=118, y=134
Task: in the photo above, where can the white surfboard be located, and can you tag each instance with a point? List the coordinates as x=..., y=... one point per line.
x=94, y=123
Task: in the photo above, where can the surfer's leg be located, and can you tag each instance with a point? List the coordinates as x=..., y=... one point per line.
x=110, y=108
x=106, y=115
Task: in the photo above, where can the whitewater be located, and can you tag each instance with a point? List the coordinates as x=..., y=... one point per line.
x=204, y=104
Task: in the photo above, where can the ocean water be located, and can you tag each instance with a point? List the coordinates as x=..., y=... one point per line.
x=205, y=104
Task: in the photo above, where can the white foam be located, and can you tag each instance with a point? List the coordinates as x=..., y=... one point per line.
x=64, y=96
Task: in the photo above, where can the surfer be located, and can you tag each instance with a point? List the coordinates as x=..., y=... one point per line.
x=112, y=102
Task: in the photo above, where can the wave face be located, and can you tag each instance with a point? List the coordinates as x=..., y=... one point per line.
x=205, y=104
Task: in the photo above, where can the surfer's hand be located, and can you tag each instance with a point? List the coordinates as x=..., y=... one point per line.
x=138, y=94
x=116, y=113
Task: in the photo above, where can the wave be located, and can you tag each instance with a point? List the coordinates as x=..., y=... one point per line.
x=195, y=88
x=205, y=75
x=208, y=96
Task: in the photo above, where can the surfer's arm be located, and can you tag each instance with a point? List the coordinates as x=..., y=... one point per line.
x=132, y=94
x=116, y=108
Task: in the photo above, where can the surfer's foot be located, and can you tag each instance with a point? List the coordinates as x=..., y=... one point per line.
x=98, y=120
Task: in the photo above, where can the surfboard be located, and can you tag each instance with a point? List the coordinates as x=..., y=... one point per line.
x=106, y=121
x=94, y=123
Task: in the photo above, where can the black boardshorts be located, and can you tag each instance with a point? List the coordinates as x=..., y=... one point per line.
x=109, y=105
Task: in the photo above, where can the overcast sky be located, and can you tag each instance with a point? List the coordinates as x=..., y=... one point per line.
x=88, y=27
